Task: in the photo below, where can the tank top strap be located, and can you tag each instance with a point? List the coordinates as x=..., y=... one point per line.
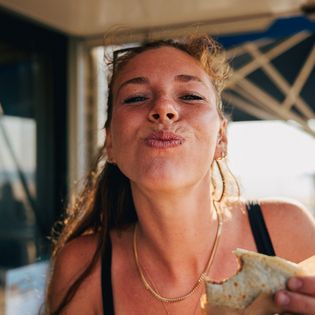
x=106, y=279
x=259, y=229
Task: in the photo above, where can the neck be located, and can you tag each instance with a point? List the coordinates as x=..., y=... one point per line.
x=176, y=231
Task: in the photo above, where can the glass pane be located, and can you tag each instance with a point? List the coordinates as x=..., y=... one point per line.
x=19, y=232
x=17, y=190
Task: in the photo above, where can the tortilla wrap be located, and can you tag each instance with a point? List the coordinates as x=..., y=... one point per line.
x=251, y=289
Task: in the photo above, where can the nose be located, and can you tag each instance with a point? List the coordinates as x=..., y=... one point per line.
x=163, y=111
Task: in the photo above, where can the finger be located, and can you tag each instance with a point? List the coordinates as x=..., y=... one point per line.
x=302, y=285
x=295, y=302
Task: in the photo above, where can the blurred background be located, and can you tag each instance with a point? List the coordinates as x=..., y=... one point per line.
x=53, y=89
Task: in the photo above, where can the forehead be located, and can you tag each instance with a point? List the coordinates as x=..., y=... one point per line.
x=161, y=62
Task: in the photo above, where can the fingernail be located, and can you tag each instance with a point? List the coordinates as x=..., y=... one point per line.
x=283, y=299
x=295, y=284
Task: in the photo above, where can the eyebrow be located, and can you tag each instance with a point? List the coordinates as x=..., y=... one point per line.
x=187, y=78
x=144, y=80
x=137, y=80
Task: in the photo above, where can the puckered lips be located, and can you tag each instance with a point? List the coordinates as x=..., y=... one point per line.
x=163, y=139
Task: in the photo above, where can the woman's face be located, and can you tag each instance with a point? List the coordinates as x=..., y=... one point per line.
x=165, y=125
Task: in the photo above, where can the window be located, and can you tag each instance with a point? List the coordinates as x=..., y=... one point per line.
x=32, y=157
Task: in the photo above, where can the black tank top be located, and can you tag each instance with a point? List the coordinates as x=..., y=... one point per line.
x=106, y=278
x=259, y=230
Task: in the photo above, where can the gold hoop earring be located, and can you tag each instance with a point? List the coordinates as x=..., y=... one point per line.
x=221, y=157
x=222, y=179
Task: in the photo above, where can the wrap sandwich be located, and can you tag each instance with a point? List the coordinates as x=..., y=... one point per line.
x=250, y=290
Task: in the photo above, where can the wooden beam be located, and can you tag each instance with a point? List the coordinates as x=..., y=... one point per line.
x=269, y=102
x=239, y=50
x=271, y=54
x=279, y=80
x=300, y=80
x=255, y=101
x=247, y=107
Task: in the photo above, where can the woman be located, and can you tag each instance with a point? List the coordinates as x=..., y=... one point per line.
x=148, y=228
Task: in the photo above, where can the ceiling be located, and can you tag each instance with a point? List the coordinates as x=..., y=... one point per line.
x=90, y=18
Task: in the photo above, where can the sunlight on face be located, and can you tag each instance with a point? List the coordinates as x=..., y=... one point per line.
x=165, y=125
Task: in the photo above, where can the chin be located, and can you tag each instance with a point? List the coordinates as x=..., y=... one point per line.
x=166, y=181
x=164, y=175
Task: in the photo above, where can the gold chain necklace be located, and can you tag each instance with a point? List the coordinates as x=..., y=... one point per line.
x=167, y=312
x=202, y=276
x=153, y=286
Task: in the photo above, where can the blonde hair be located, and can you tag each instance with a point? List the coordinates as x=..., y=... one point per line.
x=106, y=202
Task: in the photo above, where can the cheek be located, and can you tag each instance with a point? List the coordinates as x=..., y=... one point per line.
x=209, y=135
x=124, y=130
x=208, y=125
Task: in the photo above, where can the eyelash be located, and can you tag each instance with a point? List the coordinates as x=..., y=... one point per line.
x=135, y=99
x=186, y=97
x=192, y=97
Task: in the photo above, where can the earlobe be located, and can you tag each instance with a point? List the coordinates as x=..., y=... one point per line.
x=220, y=151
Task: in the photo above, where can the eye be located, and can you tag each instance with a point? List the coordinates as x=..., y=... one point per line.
x=192, y=97
x=135, y=99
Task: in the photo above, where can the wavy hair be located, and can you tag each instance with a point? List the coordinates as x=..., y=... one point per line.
x=105, y=202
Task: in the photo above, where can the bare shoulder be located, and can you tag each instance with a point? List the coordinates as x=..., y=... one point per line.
x=292, y=228
x=68, y=265
x=75, y=255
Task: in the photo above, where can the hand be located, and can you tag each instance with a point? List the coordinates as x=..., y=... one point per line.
x=299, y=296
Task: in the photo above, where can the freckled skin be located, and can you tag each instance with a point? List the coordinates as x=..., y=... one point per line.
x=176, y=233
x=196, y=120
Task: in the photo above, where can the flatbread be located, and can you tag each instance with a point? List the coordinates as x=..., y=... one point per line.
x=259, y=275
